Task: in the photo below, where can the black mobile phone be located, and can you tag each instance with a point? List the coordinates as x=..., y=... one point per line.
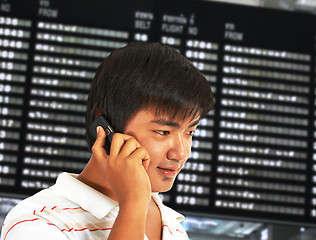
x=109, y=131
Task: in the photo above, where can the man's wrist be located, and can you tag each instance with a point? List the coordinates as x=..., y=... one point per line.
x=135, y=205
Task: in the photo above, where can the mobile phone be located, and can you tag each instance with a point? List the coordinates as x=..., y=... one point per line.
x=109, y=131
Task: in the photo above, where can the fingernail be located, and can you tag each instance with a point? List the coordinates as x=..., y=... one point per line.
x=98, y=129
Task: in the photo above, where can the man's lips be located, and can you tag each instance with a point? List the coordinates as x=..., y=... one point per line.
x=168, y=171
x=173, y=168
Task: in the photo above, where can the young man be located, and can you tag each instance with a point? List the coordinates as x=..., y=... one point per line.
x=154, y=98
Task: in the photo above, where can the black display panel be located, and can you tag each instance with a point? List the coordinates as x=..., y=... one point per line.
x=253, y=157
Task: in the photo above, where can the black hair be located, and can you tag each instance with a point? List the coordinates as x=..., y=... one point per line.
x=146, y=75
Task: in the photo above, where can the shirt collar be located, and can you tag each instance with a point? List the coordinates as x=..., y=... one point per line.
x=86, y=197
x=95, y=202
x=166, y=211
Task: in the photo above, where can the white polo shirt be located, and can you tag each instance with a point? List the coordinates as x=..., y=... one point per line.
x=71, y=210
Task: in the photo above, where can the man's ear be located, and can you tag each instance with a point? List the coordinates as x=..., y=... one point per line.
x=97, y=113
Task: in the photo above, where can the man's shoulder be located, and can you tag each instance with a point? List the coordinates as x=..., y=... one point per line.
x=44, y=199
x=35, y=205
x=28, y=214
x=49, y=211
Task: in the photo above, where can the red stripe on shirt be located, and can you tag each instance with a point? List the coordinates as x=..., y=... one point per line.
x=93, y=230
x=28, y=220
x=168, y=228
x=100, y=229
x=76, y=208
x=71, y=208
x=51, y=224
x=177, y=230
x=82, y=229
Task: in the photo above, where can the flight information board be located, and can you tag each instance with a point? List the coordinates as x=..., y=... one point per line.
x=253, y=157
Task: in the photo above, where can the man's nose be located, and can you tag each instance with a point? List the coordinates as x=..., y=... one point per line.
x=179, y=149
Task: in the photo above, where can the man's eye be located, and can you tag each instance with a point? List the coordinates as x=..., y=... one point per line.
x=191, y=133
x=163, y=133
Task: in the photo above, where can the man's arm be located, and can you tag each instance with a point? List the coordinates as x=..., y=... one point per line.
x=130, y=223
x=125, y=172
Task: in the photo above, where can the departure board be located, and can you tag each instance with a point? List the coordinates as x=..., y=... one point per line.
x=253, y=156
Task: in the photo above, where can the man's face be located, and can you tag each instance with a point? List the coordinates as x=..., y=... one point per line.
x=168, y=143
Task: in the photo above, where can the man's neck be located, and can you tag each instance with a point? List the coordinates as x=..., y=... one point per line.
x=92, y=177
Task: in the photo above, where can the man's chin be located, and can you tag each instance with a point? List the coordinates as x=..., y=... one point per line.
x=163, y=189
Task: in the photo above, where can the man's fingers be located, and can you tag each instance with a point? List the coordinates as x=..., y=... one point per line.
x=100, y=141
x=141, y=155
x=126, y=147
x=130, y=145
x=98, y=146
x=118, y=142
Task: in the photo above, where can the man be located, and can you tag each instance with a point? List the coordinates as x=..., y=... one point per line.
x=154, y=98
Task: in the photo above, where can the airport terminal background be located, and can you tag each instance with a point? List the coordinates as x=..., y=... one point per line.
x=252, y=171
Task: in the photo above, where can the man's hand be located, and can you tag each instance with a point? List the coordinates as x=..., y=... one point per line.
x=125, y=168
x=125, y=172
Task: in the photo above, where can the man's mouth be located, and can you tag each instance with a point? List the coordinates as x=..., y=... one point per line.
x=168, y=172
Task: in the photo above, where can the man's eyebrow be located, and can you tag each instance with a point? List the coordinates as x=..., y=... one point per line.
x=172, y=124
x=166, y=123
x=194, y=123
